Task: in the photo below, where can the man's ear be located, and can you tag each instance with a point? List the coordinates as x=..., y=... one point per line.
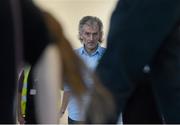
x=101, y=36
x=80, y=34
x=80, y=37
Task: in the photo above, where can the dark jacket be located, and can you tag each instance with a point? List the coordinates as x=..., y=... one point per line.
x=35, y=39
x=140, y=34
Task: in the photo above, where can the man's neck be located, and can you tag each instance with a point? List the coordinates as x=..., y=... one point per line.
x=90, y=51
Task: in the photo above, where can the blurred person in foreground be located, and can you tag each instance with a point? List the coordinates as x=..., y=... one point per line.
x=144, y=40
x=30, y=35
x=22, y=30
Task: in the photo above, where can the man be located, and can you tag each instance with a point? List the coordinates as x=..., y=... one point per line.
x=141, y=33
x=90, y=35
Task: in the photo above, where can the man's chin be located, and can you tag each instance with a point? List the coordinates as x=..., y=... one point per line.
x=92, y=47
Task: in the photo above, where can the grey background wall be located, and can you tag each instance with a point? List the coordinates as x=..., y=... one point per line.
x=69, y=12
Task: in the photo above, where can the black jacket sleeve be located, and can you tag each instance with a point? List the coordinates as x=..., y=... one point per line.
x=138, y=29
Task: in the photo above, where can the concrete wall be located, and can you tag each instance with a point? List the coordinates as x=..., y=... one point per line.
x=69, y=12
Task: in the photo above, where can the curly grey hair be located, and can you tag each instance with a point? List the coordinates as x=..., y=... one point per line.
x=90, y=20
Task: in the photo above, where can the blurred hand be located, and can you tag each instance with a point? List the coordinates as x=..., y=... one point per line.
x=61, y=114
x=21, y=120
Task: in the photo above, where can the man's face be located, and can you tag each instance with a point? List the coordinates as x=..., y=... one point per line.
x=90, y=36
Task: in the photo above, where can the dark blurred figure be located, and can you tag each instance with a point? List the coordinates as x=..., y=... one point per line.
x=17, y=14
x=7, y=63
x=25, y=32
x=143, y=51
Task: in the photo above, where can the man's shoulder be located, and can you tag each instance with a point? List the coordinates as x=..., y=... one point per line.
x=78, y=50
x=102, y=49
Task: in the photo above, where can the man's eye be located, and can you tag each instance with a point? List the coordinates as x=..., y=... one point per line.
x=87, y=34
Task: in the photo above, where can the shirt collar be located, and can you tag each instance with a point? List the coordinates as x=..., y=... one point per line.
x=83, y=51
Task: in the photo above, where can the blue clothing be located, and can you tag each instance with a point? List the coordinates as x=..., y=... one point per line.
x=91, y=60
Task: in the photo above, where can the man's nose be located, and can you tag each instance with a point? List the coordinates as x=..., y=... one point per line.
x=91, y=37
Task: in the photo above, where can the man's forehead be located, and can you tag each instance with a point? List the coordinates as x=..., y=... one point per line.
x=88, y=27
